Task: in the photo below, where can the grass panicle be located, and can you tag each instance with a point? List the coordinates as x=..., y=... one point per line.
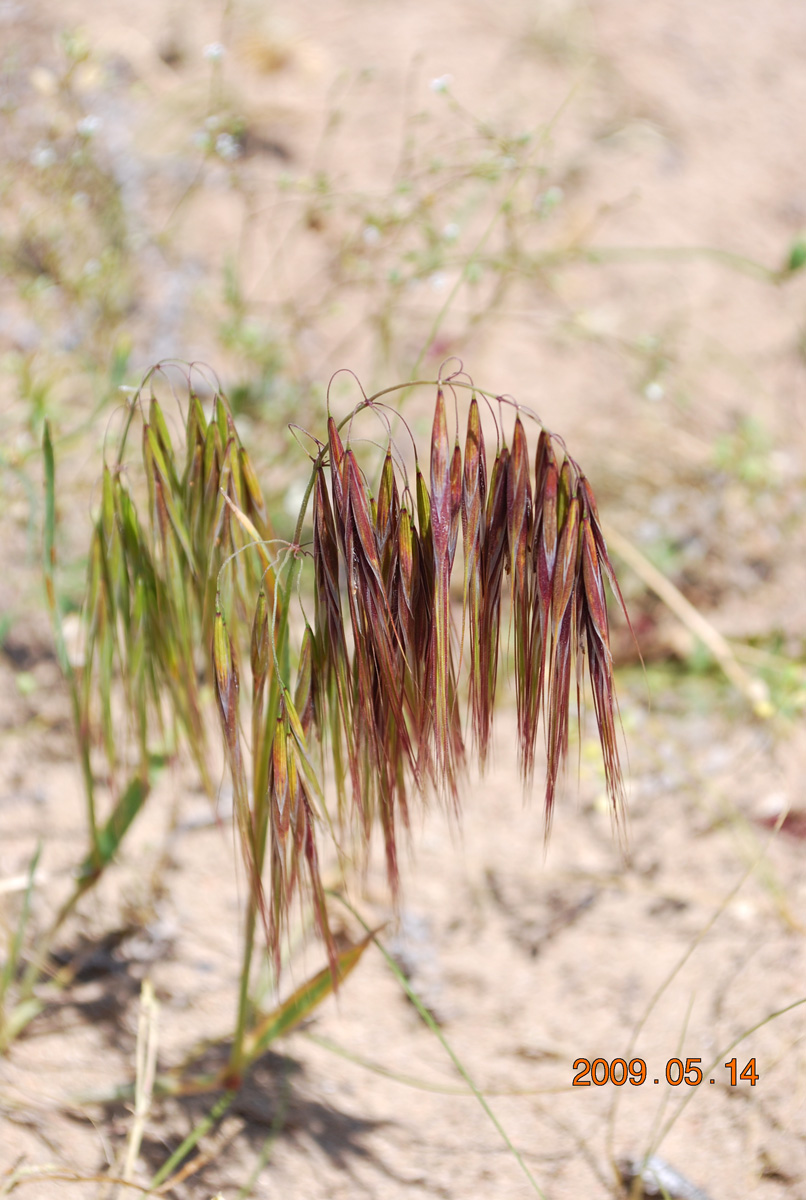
x=378, y=680
x=387, y=695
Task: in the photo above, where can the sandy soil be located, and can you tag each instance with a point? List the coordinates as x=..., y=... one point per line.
x=677, y=378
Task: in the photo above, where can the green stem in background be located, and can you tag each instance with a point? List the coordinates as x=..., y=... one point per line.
x=472, y=258
x=213, y=1117
x=715, y=1062
x=435, y=1029
x=132, y=407
x=665, y=1098
x=575, y=252
x=737, y=262
x=422, y=1085
x=669, y=979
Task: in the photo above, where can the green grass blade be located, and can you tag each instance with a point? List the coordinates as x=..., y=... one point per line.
x=304, y=1000
x=716, y=1061
x=21, y=1015
x=193, y=1138
x=114, y=830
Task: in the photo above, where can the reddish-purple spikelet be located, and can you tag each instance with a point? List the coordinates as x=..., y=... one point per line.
x=474, y=487
x=336, y=475
x=495, y=559
x=519, y=528
x=386, y=520
x=456, y=502
x=441, y=506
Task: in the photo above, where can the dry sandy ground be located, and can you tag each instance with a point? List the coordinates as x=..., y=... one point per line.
x=676, y=126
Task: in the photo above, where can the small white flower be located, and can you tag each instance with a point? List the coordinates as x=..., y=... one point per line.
x=441, y=83
x=438, y=281
x=226, y=146
x=88, y=126
x=92, y=267
x=43, y=157
x=214, y=52
x=654, y=391
x=451, y=232
x=371, y=235
x=547, y=201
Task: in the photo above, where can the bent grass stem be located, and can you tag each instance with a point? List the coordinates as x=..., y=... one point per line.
x=440, y=1036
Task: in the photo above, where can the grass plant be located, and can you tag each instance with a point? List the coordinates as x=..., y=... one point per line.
x=188, y=588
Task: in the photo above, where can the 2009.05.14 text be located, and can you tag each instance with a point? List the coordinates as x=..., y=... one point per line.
x=599, y=1071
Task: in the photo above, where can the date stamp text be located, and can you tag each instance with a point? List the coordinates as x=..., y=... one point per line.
x=599, y=1071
